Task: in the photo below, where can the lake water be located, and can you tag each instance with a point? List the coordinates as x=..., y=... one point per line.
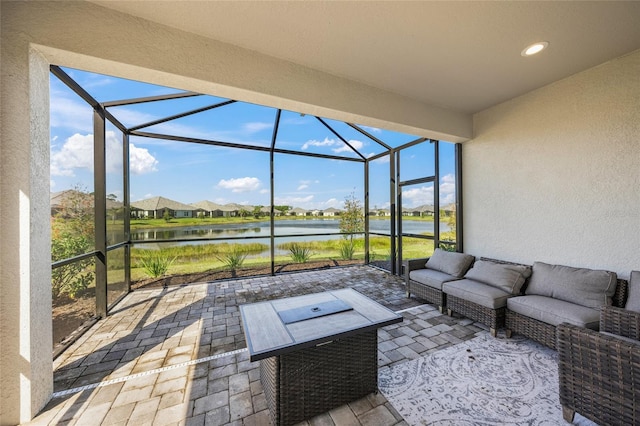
x=262, y=231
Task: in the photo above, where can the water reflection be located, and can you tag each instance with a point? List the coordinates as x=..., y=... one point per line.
x=263, y=229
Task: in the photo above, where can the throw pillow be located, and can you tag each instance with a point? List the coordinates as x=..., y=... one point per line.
x=633, y=299
x=507, y=277
x=451, y=263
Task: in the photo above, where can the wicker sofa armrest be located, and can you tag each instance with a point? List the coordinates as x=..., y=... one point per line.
x=599, y=376
x=620, y=321
x=413, y=264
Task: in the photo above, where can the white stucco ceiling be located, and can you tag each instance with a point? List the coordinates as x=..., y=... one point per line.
x=463, y=56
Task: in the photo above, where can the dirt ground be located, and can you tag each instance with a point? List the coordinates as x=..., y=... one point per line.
x=69, y=315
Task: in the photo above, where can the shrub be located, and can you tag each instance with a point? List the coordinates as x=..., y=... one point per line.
x=233, y=259
x=448, y=247
x=299, y=253
x=166, y=216
x=74, y=277
x=347, y=250
x=156, y=264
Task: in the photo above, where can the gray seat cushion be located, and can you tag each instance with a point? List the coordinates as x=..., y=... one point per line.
x=554, y=311
x=504, y=276
x=477, y=292
x=451, y=263
x=633, y=299
x=431, y=277
x=586, y=287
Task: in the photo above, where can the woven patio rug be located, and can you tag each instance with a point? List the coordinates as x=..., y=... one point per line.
x=483, y=381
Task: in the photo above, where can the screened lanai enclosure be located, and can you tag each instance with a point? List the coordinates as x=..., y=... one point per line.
x=157, y=186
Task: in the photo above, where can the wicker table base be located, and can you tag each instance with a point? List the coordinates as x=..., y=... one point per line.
x=316, y=351
x=302, y=384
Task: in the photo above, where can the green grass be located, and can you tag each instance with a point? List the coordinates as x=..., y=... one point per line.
x=195, y=252
x=210, y=257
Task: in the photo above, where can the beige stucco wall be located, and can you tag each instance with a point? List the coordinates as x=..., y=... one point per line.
x=554, y=175
x=26, y=380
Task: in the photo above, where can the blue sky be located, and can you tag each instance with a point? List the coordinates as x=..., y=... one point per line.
x=189, y=172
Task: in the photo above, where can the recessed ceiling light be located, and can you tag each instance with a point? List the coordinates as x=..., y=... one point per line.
x=535, y=48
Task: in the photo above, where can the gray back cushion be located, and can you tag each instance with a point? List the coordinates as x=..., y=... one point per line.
x=506, y=277
x=633, y=300
x=586, y=287
x=455, y=264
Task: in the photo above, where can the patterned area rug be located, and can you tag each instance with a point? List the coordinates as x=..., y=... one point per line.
x=484, y=381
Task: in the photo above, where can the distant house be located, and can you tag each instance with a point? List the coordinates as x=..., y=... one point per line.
x=155, y=208
x=425, y=210
x=298, y=212
x=380, y=212
x=73, y=200
x=69, y=198
x=314, y=212
x=410, y=212
x=331, y=212
x=209, y=208
x=234, y=209
x=266, y=211
x=449, y=209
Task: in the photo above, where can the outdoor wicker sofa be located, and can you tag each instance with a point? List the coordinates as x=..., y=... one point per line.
x=483, y=292
x=557, y=294
x=599, y=372
x=424, y=277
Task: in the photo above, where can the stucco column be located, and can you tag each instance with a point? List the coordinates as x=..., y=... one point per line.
x=26, y=367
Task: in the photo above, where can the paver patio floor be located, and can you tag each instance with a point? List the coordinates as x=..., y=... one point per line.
x=177, y=355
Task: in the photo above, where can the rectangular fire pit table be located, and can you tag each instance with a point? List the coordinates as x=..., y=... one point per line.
x=316, y=352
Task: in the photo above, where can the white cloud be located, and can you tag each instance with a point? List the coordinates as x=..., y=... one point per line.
x=340, y=146
x=140, y=161
x=332, y=202
x=131, y=118
x=356, y=144
x=244, y=184
x=303, y=186
x=264, y=191
x=313, y=142
x=450, y=178
x=255, y=127
x=372, y=129
x=97, y=81
x=77, y=153
x=294, y=201
x=418, y=196
x=448, y=189
x=70, y=114
x=424, y=194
